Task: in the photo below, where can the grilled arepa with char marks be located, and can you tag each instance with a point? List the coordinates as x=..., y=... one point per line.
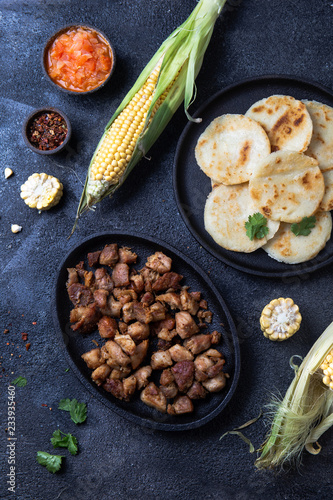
x=287, y=186
x=230, y=147
x=291, y=249
x=226, y=211
x=286, y=121
x=321, y=145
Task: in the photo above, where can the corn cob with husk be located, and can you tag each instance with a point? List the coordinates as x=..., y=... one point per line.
x=166, y=81
x=305, y=412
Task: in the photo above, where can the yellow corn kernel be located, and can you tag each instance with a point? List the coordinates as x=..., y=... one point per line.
x=280, y=319
x=327, y=369
x=15, y=228
x=8, y=172
x=41, y=191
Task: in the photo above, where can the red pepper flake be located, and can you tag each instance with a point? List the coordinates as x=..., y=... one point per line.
x=7, y=343
x=44, y=404
x=47, y=131
x=27, y=346
x=24, y=336
x=6, y=330
x=34, y=322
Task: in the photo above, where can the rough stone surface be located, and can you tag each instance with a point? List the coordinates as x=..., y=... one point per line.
x=119, y=460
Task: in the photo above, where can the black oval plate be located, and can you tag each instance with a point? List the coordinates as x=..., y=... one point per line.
x=192, y=186
x=75, y=344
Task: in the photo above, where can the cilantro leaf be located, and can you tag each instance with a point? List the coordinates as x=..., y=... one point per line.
x=256, y=226
x=65, y=404
x=20, y=381
x=78, y=411
x=304, y=227
x=51, y=462
x=61, y=440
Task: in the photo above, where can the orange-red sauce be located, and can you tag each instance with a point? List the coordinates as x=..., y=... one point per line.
x=79, y=60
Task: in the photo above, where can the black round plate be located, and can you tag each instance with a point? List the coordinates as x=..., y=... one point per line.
x=192, y=186
x=75, y=344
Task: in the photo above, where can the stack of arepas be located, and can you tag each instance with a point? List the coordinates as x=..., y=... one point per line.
x=276, y=160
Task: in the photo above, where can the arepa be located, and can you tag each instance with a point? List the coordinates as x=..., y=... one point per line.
x=321, y=145
x=327, y=202
x=226, y=211
x=286, y=121
x=287, y=186
x=291, y=249
x=229, y=148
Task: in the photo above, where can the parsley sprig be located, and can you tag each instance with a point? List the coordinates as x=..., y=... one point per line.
x=256, y=226
x=77, y=411
x=304, y=227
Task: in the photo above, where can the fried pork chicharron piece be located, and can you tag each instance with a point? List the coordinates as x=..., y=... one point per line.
x=180, y=353
x=202, y=342
x=93, y=358
x=196, y=391
x=126, y=256
x=138, y=331
x=151, y=328
x=183, y=371
x=85, y=319
x=109, y=255
x=100, y=373
x=120, y=275
x=159, y=263
x=80, y=295
x=160, y=360
x=182, y=404
x=142, y=375
x=154, y=397
x=185, y=325
x=107, y=327
x=216, y=383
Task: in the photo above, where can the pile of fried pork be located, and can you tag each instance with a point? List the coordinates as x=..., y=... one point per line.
x=155, y=330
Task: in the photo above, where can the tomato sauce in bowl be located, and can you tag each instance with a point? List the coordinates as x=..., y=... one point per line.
x=79, y=59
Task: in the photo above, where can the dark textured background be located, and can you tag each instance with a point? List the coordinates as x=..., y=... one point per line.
x=117, y=459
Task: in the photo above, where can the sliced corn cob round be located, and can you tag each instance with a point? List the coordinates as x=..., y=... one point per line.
x=280, y=319
x=41, y=191
x=327, y=369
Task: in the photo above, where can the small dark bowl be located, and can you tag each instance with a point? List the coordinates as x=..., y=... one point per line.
x=30, y=118
x=64, y=30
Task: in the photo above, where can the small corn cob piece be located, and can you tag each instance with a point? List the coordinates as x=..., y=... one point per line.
x=167, y=80
x=327, y=368
x=280, y=319
x=41, y=191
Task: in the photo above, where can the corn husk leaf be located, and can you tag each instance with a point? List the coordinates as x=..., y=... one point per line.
x=304, y=414
x=181, y=55
x=237, y=432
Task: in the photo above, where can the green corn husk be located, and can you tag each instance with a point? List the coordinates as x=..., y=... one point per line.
x=304, y=414
x=182, y=56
